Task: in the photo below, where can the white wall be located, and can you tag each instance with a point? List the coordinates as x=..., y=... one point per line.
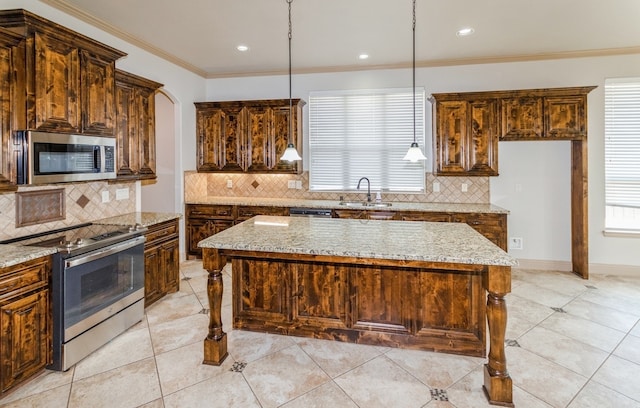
x=540, y=213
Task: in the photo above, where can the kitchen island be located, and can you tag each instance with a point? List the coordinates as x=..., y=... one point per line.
x=407, y=284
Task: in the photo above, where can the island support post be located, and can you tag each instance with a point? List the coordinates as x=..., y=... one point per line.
x=215, y=344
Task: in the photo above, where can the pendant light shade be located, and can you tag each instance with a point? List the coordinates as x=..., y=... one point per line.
x=290, y=154
x=414, y=153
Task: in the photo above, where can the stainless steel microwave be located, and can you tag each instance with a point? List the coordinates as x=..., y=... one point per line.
x=43, y=157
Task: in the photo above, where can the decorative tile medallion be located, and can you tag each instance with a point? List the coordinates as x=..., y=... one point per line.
x=204, y=311
x=238, y=366
x=186, y=278
x=590, y=287
x=559, y=309
x=511, y=343
x=255, y=184
x=82, y=201
x=439, y=394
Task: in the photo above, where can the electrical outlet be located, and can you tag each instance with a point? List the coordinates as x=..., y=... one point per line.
x=436, y=187
x=298, y=184
x=515, y=243
x=291, y=184
x=122, y=194
x=105, y=196
x=464, y=187
x=229, y=183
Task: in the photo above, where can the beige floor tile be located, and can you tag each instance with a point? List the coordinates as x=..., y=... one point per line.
x=192, y=268
x=541, y=295
x=54, y=398
x=282, y=376
x=172, y=308
x=526, y=309
x=629, y=349
x=563, y=282
x=437, y=370
x=636, y=330
x=229, y=389
x=583, y=330
x=182, y=367
x=326, y=396
x=614, y=299
x=601, y=314
x=177, y=333
x=572, y=354
x=153, y=404
x=45, y=381
x=336, y=357
x=620, y=375
x=246, y=346
x=542, y=378
x=594, y=395
x=381, y=383
x=130, y=346
x=516, y=327
x=129, y=386
x=199, y=283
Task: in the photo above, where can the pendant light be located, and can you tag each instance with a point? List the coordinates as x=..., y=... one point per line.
x=290, y=154
x=414, y=153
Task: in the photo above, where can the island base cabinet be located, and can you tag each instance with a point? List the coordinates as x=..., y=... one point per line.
x=381, y=305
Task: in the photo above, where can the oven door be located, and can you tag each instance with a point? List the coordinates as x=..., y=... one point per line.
x=99, y=284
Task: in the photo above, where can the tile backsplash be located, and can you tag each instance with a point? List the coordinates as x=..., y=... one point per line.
x=83, y=203
x=277, y=186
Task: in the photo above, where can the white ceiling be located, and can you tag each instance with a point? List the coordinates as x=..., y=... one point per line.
x=328, y=35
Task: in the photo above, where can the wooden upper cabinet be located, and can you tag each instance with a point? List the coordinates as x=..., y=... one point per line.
x=247, y=136
x=8, y=45
x=68, y=78
x=543, y=114
x=466, y=135
x=135, y=126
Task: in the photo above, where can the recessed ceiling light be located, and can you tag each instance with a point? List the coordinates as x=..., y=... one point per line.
x=464, y=31
x=242, y=48
x=363, y=56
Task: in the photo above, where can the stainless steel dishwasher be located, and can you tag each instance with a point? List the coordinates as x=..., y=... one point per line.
x=309, y=212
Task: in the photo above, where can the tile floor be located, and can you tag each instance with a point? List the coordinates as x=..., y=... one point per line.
x=570, y=343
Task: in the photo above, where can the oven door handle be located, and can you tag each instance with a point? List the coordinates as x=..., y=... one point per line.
x=110, y=250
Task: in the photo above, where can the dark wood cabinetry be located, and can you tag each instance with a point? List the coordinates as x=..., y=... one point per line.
x=365, y=214
x=161, y=261
x=25, y=321
x=135, y=128
x=247, y=136
x=8, y=46
x=203, y=220
x=244, y=212
x=68, y=78
x=466, y=135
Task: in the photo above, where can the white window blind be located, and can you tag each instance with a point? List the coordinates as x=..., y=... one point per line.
x=366, y=133
x=622, y=154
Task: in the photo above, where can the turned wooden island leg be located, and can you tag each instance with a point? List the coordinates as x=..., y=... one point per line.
x=215, y=344
x=498, y=386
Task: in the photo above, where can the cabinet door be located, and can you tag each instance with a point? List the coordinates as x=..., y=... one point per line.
x=170, y=266
x=97, y=94
x=197, y=230
x=451, y=117
x=25, y=343
x=57, y=86
x=7, y=102
x=146, y=140
x=521, y=118
x=260, y=139
x=565, y=117
x=126, y=131
x=281, y=138
x=152, y=275
x=483, y=143
x=261, y=289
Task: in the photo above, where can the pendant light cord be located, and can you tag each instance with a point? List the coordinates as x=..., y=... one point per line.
x=414, y=71
x=290, y=100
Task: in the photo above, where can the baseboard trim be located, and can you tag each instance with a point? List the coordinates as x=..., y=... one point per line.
x=565, y=266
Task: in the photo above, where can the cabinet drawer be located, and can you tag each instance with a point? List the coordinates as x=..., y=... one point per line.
x=162, y=231
x=210, y=211
x=424, y=216
x=246, y=212
x=24, y=277
x=488, y=220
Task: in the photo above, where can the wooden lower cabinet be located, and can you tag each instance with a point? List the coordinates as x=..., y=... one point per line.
x=161, y=261
x=25, y=321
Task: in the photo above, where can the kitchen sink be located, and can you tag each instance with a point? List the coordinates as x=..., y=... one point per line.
x=364, y=204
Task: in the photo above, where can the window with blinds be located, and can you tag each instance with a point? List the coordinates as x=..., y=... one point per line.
x=622, y=153
x=365, y=133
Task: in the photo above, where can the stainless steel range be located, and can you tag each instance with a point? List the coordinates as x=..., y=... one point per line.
x=97, y=286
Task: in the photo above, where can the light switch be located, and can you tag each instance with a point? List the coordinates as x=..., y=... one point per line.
x=105, y=196
x=229, y=183
x=122, y=194
x=436, y=187
x=464, y=187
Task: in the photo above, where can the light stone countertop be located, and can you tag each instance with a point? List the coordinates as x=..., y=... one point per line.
x=398, y=240
x=143, y=218
x=332, y=204
x=13, y=254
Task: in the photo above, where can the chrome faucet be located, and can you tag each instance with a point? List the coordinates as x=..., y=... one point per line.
x=368, y=187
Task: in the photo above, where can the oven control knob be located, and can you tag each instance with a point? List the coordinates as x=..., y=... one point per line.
x=67, y=244
x=79, y=241
x=136, y=227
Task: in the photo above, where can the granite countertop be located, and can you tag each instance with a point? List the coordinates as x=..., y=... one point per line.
x=13, y=254
x=332, y=204
x=403, y=240
x=143, y=218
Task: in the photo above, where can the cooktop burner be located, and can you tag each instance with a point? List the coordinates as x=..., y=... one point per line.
x=81, y=238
